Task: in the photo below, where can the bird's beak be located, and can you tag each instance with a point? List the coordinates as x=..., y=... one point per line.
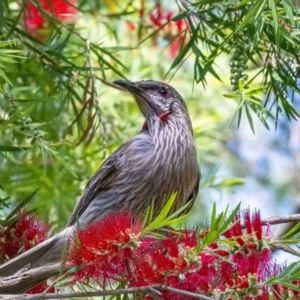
x=129, y=86
x=141, y=97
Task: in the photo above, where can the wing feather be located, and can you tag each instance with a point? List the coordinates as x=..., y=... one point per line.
x=122, y=160
x=103, y=178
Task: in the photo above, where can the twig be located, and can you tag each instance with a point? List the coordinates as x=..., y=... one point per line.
x=281, y=219
x=125, y=291
x=184, y=293
x=25, y=278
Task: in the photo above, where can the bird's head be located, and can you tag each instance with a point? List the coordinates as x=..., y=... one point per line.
x=157, y=100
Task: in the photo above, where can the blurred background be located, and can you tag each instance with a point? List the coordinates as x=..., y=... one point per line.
x=236, y=64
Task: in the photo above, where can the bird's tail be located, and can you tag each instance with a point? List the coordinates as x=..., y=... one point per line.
x=47, y=253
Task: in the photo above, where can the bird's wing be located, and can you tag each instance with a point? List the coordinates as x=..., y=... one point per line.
x=103, y=178
x=106, y=175
x=193, y=195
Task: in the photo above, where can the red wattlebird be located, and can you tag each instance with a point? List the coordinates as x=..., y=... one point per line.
x=143, y=171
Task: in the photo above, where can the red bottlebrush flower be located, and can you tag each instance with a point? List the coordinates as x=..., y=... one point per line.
x=192, y=282
x=34, y=15
x=257, y=225
x=249, y=263
x=131, y=25
x=157, y=15
x=176, y=45
x=235, y=231
x=62, y=10
x=27, y=232
x=248, y=221
x=40, y=288
x=105, y=249
x=250, y=240
x=188, y=238
x=114, y=250
x=154, y=263
x=253, y=263
x=174, y=262
x=242, y=272
x=280, y=291
x=171, y=29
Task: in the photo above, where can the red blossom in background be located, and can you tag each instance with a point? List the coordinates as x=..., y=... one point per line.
x=170, y=30
x=34, y=14
x=27, y=232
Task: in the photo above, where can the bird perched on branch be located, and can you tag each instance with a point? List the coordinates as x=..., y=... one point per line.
x=143, y=171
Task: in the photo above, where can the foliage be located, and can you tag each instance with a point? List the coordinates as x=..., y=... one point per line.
x=59, y=119
x=56, y=116
x=262, y=35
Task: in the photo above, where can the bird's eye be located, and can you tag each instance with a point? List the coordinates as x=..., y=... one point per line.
x=163, y=92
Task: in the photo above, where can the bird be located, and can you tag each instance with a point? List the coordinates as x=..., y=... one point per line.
x=145, y=170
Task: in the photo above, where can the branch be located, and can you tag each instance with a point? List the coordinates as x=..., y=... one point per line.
x=24, y=278
x=152, y=289
x=281, y=219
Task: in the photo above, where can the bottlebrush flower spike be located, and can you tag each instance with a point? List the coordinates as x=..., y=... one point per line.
x=254, y=236
x=114, y=250
x=157, y=15
x=235, y=232
x=280, y=291
x=40, y=288
x=257, y=225
x=105, y=249
x=174, y=261
x=27, y=232
x=192, y=282
x=171, y=30
x=34, y=14
x=247, y=267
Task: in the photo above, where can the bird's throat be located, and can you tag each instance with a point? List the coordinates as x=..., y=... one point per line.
x=163, y=117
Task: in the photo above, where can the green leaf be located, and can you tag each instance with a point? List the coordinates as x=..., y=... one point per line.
x=164, y=219
x=273, y=5
x=230, y=182
x=12, y=148
x=249, y=117
x=254, y=14
x=289, y=8
x=184, y=51
x=291, y=232
x=232, y=96
x=289, y=274
x=218, y=225
x=3, y=75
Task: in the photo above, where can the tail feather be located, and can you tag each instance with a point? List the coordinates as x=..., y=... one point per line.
x=48, y=252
